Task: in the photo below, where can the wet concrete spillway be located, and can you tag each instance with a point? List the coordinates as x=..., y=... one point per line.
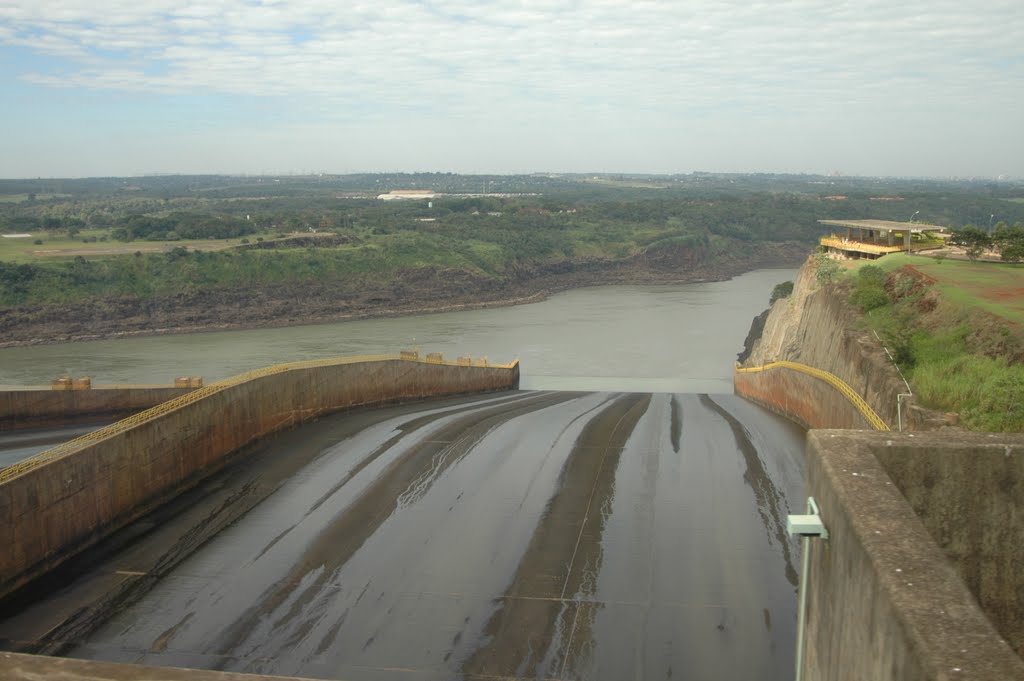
x=531, y=534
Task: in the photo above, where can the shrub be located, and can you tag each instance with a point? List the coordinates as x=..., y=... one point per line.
x=871, y=275
x=869, y=290
x=826, y=270
x=869, y=297
x=783, y=290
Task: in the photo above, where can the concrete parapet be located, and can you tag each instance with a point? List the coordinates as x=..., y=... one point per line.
x=60, y=502
x=883, y=600
x=61, y=406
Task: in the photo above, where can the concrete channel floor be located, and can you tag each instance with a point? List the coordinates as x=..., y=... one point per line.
x=21, y=444
x=551, y=535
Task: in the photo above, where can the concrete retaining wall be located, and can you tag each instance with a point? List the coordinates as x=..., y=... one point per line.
x=52, y=511
x=883, y=602
x=44, y=407
x=969, y=493
x=807, y=400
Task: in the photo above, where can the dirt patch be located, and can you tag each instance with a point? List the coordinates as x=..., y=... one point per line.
x=921, y=275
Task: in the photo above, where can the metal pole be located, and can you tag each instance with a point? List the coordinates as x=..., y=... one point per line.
x=899, y=407
x=806, y=526
x=801, y=623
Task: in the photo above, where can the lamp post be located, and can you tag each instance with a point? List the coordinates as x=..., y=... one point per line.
x=914, y=215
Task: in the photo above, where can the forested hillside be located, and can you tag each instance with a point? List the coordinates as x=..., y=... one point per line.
x=144, y=253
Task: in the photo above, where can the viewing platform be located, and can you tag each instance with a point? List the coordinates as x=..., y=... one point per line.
x=871, y=239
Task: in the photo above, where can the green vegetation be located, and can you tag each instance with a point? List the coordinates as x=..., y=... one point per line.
x=826, y=270
x=1007, y=241
x=959, y=347
x=783, y=290
x=995, y=288
x=869, y=288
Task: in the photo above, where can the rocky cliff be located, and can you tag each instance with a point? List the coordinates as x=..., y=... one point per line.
x=816, y=326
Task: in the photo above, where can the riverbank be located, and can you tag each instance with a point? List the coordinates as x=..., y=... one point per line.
x=413, y=291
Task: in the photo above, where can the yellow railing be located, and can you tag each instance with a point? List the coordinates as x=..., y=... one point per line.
x=839, y=384
x=188, y=398
x=850, y=245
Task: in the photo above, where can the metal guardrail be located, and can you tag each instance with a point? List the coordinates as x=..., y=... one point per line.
x=839, y=384
x=71, y=446
x=851, y=245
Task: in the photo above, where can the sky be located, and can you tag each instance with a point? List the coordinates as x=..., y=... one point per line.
x=135, y=87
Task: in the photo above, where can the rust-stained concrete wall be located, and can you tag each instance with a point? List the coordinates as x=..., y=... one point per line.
x=44, y=407
x=804, y=399
x=55, y=510
x=883, y=602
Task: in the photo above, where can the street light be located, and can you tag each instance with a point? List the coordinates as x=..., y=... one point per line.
x=914, y=215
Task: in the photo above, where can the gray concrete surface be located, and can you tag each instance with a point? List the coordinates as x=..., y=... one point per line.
x=51, y=511
x=968, y=490
x=520, y=535
x=883, y=600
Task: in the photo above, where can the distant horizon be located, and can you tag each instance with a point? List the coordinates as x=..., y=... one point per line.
x=544, y=173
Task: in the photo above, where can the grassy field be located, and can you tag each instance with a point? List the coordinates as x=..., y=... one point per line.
x=18, y=198
x=996, y=288
x=61, y=247
x=961, y=350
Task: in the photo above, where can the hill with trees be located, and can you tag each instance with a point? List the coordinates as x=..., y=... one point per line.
x=115, y=255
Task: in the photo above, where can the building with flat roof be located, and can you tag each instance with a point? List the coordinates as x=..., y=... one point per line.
x=871, y=239
x=405, y=194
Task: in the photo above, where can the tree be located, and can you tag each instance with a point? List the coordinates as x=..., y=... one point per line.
x=1009, y=241
x=783, y=290
x=974, y=240
x=969, y=237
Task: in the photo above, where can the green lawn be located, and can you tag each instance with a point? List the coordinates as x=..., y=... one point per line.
x=997, y=288
x=60, y=246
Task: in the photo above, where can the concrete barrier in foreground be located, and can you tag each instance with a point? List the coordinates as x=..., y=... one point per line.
x=922, y=528
x=59, y=502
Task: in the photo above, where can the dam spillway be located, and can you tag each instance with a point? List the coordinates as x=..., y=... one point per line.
x=529, y=534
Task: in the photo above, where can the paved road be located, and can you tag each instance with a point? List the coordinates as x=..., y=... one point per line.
x=549, y=535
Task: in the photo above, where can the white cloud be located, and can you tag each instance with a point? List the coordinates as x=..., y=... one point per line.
x=544, y=63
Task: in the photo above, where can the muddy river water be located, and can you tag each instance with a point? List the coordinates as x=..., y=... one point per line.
x=680, y=338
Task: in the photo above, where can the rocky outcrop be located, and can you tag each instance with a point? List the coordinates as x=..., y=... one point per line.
x=413, y=290
x=816, y=326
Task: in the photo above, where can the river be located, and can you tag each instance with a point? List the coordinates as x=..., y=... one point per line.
x=669, y=338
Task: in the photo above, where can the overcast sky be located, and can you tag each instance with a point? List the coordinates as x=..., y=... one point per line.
x=129, y=87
